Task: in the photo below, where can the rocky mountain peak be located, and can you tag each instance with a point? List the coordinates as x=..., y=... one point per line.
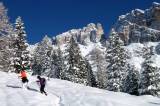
x=140, y=25
x=91, y=33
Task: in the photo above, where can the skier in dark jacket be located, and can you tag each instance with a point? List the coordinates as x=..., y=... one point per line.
x=42, y=83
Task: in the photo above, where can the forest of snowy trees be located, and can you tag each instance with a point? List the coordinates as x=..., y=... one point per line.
x=113, y=71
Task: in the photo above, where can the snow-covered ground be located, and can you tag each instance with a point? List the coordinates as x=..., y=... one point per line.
x=64, y=93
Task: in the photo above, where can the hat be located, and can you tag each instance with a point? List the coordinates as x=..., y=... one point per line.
x=38, y=77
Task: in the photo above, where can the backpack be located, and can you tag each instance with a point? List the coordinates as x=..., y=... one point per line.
x=42, y=81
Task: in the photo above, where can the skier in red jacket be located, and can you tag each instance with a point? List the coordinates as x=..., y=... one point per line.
x=23, y=76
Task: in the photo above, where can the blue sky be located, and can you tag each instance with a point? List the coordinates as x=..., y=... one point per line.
x=53, y=17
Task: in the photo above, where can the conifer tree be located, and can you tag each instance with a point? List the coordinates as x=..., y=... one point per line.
x=132, y=81
x=76, y=71
x=116, y=69
x=22, y=57
x=60, y=62
x=5, y=26
x=99, y=64
x=6, y=40
x=42, y=57
x=150, y=77
x=91, y=78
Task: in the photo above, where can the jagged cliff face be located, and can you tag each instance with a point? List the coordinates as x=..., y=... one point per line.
x=91, y=33
x=140, y=26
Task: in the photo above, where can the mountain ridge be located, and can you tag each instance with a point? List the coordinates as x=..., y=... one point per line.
x=140, y=25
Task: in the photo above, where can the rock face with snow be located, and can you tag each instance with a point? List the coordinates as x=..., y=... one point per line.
x=90, y=33
x=140, y=26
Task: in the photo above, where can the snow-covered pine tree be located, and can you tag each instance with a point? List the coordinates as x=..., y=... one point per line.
x=61, y=65
x=54, y=72
x=116, y=57
x=58, y=66
x=6, y=40
x=22, y=57
x=37, y=58
x=5, y=26
x=99, y=64
x=76, y=71
x=150, y=76
x=91, y=78
x=36, y=67
x=42, y=57
x=6, y=53
x=47, y=63
x=132, y=81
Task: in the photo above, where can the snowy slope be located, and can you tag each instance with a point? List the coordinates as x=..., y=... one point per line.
x=135, y=52
x=11, y=94
x=64, y=93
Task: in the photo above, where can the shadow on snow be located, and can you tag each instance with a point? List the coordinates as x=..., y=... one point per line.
x=154, y=103
x=31, y=89
x=13, y=86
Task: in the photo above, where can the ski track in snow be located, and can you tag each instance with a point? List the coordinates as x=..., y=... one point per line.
x=64, y=93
